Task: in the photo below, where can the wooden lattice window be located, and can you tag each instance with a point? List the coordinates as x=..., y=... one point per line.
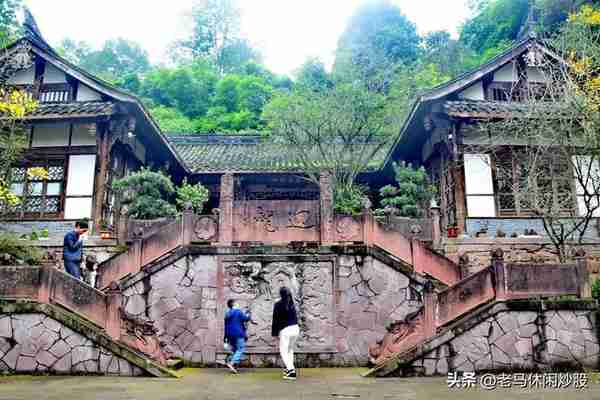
x=448, y=199
x=521, y=185
x=40, y=198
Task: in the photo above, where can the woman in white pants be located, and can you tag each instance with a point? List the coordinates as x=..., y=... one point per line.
x=285, y=325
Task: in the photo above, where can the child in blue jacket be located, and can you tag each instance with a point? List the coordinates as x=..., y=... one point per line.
x=235, y=333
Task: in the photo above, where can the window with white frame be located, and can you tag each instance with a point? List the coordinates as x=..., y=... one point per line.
x=479, y=186
x=80, y=186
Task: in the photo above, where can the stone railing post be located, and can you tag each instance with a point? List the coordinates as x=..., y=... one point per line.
x=583, y=275
x=499, y=274
x=45, y=289
x=226, y=210
x=114, y=298
x=187, y=225
x=463, y=266
x=429, y=311
x=326, y=205
x=436, y=232
x=368, y=228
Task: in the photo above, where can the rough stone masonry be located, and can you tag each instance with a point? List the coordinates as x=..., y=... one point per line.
x=344, y=305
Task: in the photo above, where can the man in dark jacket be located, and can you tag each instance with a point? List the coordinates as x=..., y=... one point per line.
x=73, y=249
x=235, y=333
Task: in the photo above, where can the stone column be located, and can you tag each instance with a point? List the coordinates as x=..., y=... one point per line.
x=464, y=266
x=45, y=289
x=113, y=311
x=326, y=205
x=226, y=210
x=583, y=276
x=429, y=311
x=187, y=226
x=499, y=274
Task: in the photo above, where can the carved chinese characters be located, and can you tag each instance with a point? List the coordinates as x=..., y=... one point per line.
x=276, y=221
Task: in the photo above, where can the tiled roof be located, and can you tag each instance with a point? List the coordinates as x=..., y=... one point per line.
x=238, y=153
x=480, y=108
x=75, y=110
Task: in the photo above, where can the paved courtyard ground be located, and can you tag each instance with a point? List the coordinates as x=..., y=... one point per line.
x=217, y=384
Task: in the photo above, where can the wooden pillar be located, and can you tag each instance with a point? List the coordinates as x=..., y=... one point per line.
x=102, y=172
x=436, y=223
x=458, y=172
x=326, y=208
x=226, y=210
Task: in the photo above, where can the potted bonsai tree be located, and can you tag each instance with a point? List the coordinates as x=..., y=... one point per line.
x=146, y=195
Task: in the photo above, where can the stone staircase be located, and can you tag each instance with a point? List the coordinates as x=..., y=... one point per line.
x=147, y=250
x=96, y=318
x=449, y=313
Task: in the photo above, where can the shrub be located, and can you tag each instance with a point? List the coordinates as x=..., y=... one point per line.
x=410, y=196
x=15, y=252
x=146, y=194
x=196, y=195
x=596, y=289
x=349, y=200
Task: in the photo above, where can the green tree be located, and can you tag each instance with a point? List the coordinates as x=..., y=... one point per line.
x=189, y=88
x=193, y=195
x=146, y=194
x=172, y=120
x=116, y=58
x=235, y=55
x=340, y=130
x=227, y=94
x=254, y=93
x=216, y=37
x=378, y=35
x=410, y=196
x=8, y=20
x=313, y=75
x=495, y=23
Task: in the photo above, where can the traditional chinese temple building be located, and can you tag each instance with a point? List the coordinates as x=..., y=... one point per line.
x=88, y=133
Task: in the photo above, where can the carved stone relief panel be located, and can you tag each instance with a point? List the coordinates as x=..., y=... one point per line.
x=255, y=285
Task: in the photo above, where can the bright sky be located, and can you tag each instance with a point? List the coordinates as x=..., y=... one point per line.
x=286, y=31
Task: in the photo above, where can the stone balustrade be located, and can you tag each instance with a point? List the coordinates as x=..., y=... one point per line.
x=499, y=282
x=47, y=285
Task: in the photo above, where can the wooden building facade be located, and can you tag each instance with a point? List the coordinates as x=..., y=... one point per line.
x=444, y=131
x=84, y=132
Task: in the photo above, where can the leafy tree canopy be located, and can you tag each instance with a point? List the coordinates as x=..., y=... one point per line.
x=8, y=20
x=116, y=58
x=377, y=35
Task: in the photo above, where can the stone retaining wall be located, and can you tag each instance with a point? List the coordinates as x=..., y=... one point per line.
x=508, y=339
x=36, y=343
x=344, y=304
